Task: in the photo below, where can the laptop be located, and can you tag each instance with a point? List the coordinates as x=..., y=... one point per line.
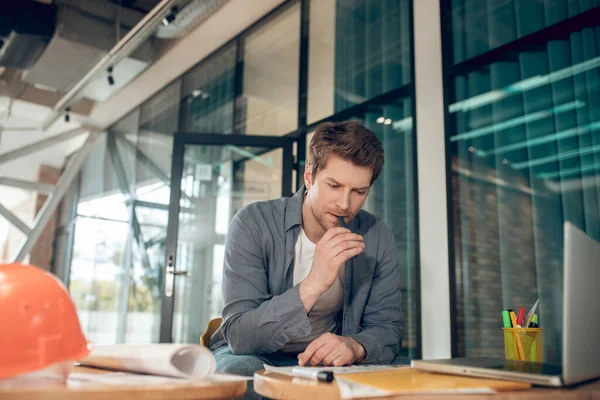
x=581, y=327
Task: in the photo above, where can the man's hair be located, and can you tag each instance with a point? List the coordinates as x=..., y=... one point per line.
x=350, y=141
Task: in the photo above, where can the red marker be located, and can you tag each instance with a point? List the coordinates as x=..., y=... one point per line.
x=521, y=316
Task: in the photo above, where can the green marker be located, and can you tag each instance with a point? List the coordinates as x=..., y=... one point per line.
x=508, y=336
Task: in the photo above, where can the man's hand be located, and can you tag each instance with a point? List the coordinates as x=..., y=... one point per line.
x=329, y=349
x=335, y=247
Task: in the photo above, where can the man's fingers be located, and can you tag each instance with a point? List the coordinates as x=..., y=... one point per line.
x=345, y=237
x=342, y=360
x=347, y=245
x=327, y=361
x=347, y=254
x=310, y=350
x=334, y=232
x=322, y=353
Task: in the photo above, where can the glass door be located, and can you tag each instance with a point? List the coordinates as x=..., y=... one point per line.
x=212, y=177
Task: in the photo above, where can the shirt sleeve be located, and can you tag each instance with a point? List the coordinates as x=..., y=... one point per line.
x=254, y=321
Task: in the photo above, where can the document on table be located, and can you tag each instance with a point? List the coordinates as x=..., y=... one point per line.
x=77, y=379
x=184, y=361
x=351, y=369
x=361, y=381
x=188, y=361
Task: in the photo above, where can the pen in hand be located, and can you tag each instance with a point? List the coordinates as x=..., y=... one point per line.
x=342, y=222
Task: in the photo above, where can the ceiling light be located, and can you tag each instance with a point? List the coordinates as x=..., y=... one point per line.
x=170, y=17
x=388, y=121
x=111, y=80
x=380, y=120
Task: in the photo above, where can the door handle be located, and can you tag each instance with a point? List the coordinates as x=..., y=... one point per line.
x=171, y=270
x=171, y=274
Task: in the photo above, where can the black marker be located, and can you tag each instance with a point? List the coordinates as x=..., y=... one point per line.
x=313, y=373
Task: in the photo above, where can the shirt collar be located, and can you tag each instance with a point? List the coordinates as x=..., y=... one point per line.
x=293, y=210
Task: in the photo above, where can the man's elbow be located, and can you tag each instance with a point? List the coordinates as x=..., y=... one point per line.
x=239, y=345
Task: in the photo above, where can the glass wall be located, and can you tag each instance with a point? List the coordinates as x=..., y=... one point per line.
x=208, y=94
x=524, y=141
x=358, y=50
x=269, y=100
x=121, y=225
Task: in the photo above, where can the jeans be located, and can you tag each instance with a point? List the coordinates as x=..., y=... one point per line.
x=229, y=363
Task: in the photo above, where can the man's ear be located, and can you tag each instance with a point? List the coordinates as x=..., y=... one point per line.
x=308, y=176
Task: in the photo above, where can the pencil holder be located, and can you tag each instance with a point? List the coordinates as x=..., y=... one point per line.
x=524, y=344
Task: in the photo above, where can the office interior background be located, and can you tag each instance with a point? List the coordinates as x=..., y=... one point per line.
x=488, y=110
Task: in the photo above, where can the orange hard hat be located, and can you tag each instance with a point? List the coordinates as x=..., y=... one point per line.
x=39, y=326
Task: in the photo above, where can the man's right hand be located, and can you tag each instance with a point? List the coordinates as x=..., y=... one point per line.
x=335, y=247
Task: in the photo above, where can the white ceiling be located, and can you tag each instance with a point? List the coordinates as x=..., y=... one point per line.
x=21, y=126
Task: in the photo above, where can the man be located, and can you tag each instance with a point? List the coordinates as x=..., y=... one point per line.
x=300, y=289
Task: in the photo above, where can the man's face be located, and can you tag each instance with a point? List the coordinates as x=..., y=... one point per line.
x=339, y=189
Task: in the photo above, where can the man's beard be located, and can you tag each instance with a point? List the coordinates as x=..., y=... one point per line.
x=320, y=218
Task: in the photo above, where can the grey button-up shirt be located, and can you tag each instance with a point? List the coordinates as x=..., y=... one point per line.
x=263, y=310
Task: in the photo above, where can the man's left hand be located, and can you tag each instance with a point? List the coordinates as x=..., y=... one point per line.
x=332, y=350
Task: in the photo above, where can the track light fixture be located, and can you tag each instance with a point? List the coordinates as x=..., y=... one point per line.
x=170, y=17
x=111, y=80
x=67, y=114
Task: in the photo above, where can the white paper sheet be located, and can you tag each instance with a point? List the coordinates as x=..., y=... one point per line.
x=186, y=361
x=352, y=390
x=131, y=379
x=350, y=369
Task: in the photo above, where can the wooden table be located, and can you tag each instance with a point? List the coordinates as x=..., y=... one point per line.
x=277, y=386
x=100, y=391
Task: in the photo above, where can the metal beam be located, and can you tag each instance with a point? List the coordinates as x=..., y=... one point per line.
x=52, y=202
x=146, y=160
x=117, y=163
x=148, y=204
x=42, y=144
x=13, y=219
x=39, y=187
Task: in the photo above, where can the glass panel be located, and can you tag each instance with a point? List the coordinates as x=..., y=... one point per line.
x=269, y=103
x=126, y=182
x=208, y=94
x=482, y=25
x=96, y=281
x=160, y=113
x=358, y=50
x=216, y=182
x=392, y=198
x=525, y=148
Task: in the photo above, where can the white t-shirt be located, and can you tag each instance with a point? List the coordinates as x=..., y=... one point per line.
x=323, y=315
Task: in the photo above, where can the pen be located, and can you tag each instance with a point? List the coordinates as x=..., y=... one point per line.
x=530, y=314
x=517, y=338
x=313, y=373
x=342, y=222
x=520, y=317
